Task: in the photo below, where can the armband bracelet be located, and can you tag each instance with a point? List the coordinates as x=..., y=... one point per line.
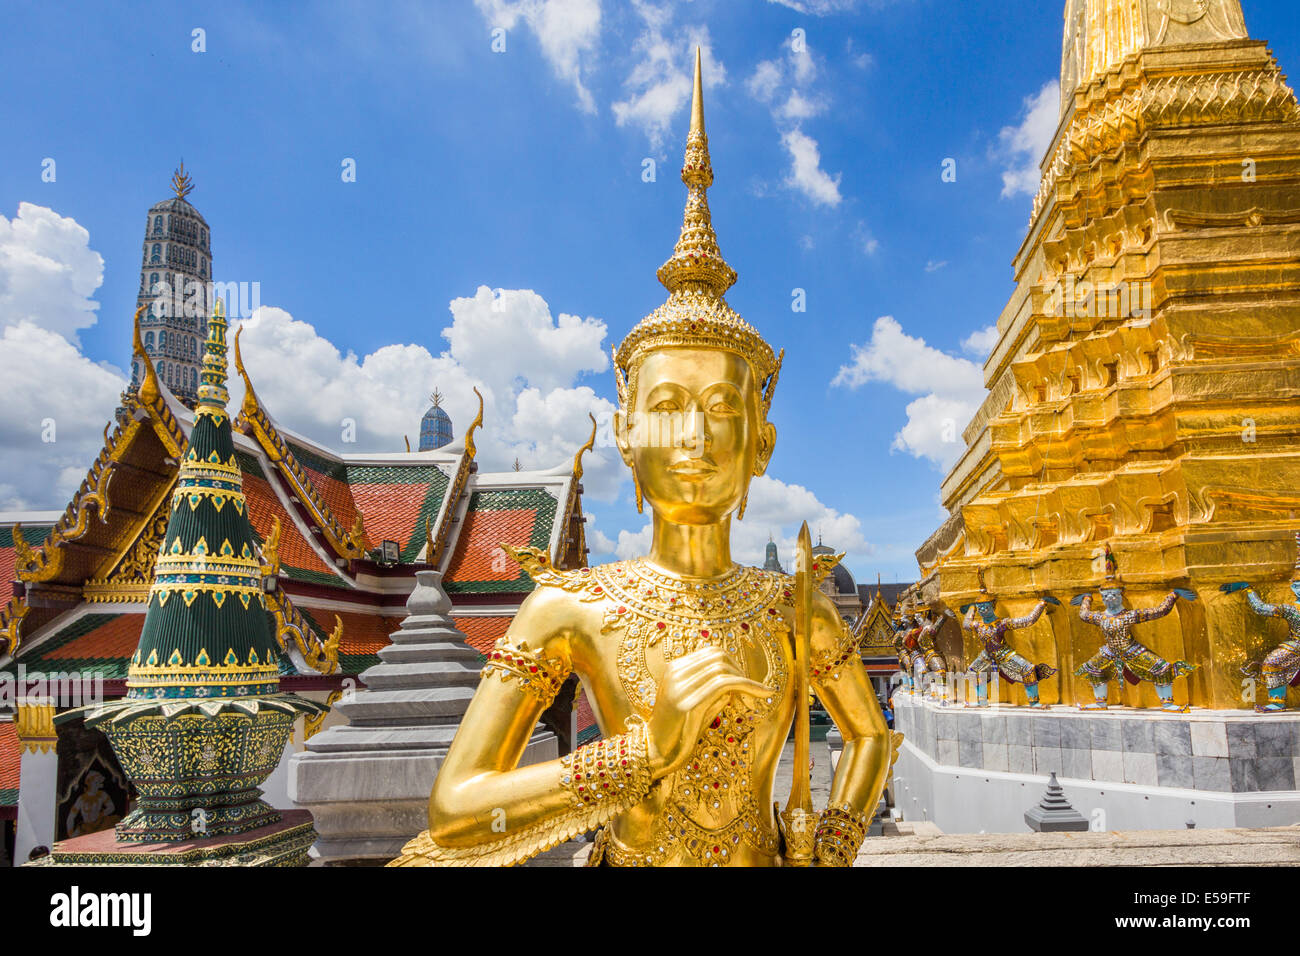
x=840, y=833
x=539, y=676
x=603, y=779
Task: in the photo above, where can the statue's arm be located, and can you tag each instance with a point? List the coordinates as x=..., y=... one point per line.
x=1260, y=607
x=1141, y=615
x=842, y=685
x=1029, y=619
x=1086, y=612
x=484, y=808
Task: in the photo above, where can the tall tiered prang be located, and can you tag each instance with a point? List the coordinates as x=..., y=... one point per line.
x=203, y=722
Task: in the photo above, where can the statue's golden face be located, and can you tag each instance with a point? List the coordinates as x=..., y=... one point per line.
x=694, y=436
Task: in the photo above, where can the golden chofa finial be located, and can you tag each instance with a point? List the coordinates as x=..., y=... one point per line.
x=181, y=182
x=697, y=262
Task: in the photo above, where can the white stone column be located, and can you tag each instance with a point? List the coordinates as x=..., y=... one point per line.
x=38, y=778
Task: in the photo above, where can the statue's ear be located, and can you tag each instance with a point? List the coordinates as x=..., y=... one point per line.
x=621, y=436
x=766, y=445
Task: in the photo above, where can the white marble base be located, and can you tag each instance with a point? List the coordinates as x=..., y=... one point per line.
x=976, y=770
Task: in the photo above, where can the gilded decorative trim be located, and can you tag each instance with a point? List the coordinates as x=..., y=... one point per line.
x=538, y=675
x=291, y=628
x=312, y=723
x=34, y=722
x=11, y=625
x=631, y=784
x=840, y=833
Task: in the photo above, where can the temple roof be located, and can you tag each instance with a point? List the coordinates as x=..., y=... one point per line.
x=317, y=518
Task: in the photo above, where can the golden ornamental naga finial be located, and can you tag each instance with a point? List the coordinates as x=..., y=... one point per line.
x=181, y=182
x=696, y=277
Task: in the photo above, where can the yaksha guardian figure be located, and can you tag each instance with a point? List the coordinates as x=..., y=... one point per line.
x=906, y=648
x=927, y=658
x=997, y=655
x=1121, y=652
x=695, y=666
x=1282, y=666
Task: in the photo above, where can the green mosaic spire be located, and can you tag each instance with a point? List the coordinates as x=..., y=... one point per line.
x=206, y=633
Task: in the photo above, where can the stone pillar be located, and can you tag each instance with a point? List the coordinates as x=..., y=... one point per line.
x=367, y=782
x=38, y=775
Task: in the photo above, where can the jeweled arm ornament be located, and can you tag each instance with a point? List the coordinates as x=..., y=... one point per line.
x=602, y=779
x=840, y=833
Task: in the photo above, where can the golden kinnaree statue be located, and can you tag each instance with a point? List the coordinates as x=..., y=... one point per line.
x=696, y=667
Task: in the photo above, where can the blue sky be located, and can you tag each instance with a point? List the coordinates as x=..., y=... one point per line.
x=522, y=171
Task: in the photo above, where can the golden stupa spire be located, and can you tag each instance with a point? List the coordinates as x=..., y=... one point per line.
x=697, y=262
x=181, y=182
x=212, y=379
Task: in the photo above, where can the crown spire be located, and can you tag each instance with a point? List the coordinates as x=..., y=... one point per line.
x=181, y=182
x=212, y=391
x=696, y=262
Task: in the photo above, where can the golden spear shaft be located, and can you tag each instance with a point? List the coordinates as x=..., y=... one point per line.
x=799, y=820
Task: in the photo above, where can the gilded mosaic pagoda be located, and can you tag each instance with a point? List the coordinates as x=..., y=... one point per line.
x=1142, y=393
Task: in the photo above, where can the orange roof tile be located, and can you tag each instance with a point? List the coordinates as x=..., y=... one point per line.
x=113, y=640
x=482, y=632
x=263, y=508
x=329, y=479
x=393, y=512
x=478, y=554
x=10, y=760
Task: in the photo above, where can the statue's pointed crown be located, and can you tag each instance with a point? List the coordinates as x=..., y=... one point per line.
x=696, y=277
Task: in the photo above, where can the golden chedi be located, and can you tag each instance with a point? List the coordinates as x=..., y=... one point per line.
x=687, y=657
x=1142, y=390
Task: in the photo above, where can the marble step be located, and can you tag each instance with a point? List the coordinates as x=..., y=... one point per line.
x=402, y=653
x=420, y=674
x=343, y=739
x=377, y=707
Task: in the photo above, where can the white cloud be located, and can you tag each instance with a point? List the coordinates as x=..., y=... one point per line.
x=567, y=30
x=765, y=81
x=55, y=400
x=633, y=544
x=534, y=410
x=47, y=272
x=951, y=389
x=776, y=509
x=1024, y=146
x=799, y=107
x=981, y=341
x=935, y=266
x=868, y=243
x=660, y=83
x=806, y=173
x=818, y=8
x=783, y=85
x=49, y=390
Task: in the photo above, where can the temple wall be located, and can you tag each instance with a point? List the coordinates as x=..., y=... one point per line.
x=978, y=771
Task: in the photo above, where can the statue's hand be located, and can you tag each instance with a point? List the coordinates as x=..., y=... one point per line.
x=691, y=692
x=1233, y=587
x=1185, y=594
x=1051, y=601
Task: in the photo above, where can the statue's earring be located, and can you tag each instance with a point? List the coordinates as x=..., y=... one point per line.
x=636, y=486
